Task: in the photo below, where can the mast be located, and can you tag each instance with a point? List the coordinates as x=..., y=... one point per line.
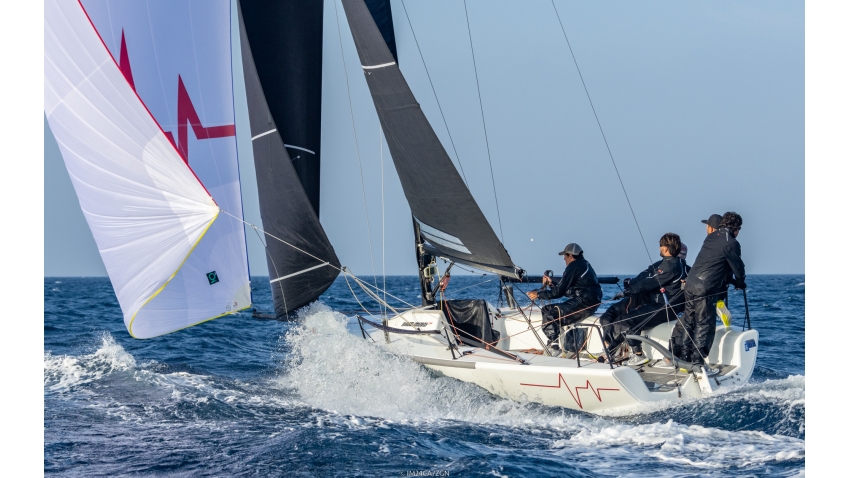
x=423, y=260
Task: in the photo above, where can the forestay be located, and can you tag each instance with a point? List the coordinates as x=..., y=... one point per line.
x=139, y=97
x=447, y=214
x=283, y=87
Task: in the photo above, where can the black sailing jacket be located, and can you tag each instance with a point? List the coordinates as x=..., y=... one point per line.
x=719, y=257
x=668, y=273
x=579, y=281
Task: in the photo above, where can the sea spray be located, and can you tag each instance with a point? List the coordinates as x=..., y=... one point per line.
x=333, y=370
x=63, y=372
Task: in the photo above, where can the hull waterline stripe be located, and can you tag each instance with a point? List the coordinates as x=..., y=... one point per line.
x=374, y=67
x=298, y=273
x=299, y=148
x=263, y=134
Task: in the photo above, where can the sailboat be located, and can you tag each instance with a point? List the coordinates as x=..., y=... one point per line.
x=140, y=100
x=474, y=341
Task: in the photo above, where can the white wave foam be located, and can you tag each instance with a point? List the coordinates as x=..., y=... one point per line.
x=347, y=377
x=64, y=371
x=692, y=445
x=336, y=371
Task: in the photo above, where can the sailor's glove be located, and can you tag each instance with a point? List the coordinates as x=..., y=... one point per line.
x=618, y=296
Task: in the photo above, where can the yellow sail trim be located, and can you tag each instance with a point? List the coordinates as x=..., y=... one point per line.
x=130, y=327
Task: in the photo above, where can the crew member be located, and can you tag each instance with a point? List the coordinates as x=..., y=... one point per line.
x=717, y=264
x=578, y=284
x=646, y=299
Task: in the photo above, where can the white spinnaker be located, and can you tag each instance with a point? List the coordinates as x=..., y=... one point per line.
x=145, y=208
x=181, y=62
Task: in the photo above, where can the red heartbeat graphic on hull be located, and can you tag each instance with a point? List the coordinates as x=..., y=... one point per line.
x=576, y=397
x=185, y=111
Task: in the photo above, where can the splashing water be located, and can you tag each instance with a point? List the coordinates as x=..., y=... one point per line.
x=238, y=394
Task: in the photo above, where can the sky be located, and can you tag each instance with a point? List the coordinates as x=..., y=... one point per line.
x=702, y=106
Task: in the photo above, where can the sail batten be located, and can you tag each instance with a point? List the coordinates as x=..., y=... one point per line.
x=448, y=216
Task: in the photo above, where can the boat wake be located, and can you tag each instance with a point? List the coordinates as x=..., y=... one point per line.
x=334, y=387
x=330, y=369
x=114, y=382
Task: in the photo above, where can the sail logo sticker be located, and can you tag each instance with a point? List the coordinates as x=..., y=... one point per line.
x=186, y=112
x=749, y=344
x=212, y=277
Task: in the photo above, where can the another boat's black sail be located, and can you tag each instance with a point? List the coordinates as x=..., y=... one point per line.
x=445, y=213
x=286, y=210
x=286, y=41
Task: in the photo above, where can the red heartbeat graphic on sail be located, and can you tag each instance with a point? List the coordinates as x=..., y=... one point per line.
x=185, y=111
x=576, y=397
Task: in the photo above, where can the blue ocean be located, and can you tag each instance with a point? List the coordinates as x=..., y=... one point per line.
x=245, y=396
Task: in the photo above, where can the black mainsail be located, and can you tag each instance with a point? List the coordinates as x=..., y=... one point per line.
x=445, y=213
x=287, y=211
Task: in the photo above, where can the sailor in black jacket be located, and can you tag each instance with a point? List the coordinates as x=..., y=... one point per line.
x=717, y=264
x=578, y=284
x=653, y=297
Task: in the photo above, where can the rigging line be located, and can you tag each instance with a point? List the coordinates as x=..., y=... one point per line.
x=451, y=140
x=276, y=272
x=354, y=277
x=356, y=144
x=357, y=298
x=328, y=263
x=454, y=291
x=598, y=123
x=484, y=123
x=376, y=297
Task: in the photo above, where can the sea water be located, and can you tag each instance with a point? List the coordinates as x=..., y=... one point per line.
x=242, y=396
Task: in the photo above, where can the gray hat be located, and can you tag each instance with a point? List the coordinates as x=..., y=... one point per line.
x=683, y=252
x=713, y=221
x=572, y=249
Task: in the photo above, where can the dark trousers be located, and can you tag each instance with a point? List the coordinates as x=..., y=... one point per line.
x=693, y=336
x=620, y=319
x=557, y=316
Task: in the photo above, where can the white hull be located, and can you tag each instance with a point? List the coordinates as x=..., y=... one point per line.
x=584, y=385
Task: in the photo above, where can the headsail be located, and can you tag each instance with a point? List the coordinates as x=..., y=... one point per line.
x=139, y=98
x=296, y=278
x=444, y=209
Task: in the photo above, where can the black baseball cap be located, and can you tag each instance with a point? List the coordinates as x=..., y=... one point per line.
x=713, y=221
